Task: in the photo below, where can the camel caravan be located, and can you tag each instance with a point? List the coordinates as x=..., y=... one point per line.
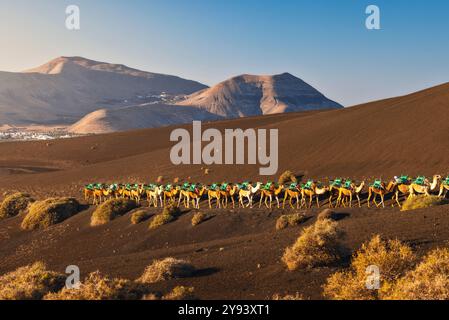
x=337, y=193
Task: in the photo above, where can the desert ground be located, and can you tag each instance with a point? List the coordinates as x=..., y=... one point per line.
x=237, y=251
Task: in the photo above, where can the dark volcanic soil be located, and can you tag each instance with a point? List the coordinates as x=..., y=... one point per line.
x=238, y=252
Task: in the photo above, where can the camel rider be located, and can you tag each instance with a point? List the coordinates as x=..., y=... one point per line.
x=420, y=180
x=377, y=184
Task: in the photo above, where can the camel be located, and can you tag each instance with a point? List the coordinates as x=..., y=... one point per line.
x=269, y=194
x=292, y=194
x=381, y=191
x=334, y=191
x=399, y=189
x=99, y=194
x=170, y=195
x=248, y=194
x=196, y=197
x=136, y=193
x=228, y=193
x=88, y=193
x=444, y=188
x=213, y=194
x=154, y=195
x=345, y=193
x=416, y=189
x=312, y=191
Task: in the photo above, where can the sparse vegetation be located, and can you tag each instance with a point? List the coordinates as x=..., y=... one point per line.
x=325, y=214
x=180, y=293
x=110, y=210
x=198, y=218
x=429, y=281
x=168, y=268
x=286, y=177
x=168, y=215
x=14, y=204
x=289, y=220
x=316, y=246
x=30, y=283
x=43, y=214
x=296, y=296
x=99, y=287
x=420, y=202
x=393, y=259
x=139, y=216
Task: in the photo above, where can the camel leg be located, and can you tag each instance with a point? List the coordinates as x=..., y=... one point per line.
x=277, y=199
x=285, y=199
x=297, y=202
x=310, y=201
x=260, y=202
x=330, y=201
x=318, y=201
x=350, y=201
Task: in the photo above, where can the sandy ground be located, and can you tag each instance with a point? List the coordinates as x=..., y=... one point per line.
x=237, y=251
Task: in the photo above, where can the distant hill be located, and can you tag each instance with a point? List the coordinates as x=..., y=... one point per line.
x=138, y=117
x=67, y=88
x=252, y=95
x=238, y=97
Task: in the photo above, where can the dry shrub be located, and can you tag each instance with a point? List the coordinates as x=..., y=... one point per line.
x=420, y=202
x=198, y=218
x=287, y=177
x=43, y=214
x=110, y=210
x=30, y=283
x=99, y=287
x=289, y=220
x=429, y=281
x=180, y=293
x=168, y=268
x=168, y=215
x=296, y=296
x=139, y=216
x=14, y=204
x=317, y=245
x=393, y=259
x=325, y=214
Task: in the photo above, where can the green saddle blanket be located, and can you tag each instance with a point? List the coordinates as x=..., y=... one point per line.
x=377, y=184
x=420, y=180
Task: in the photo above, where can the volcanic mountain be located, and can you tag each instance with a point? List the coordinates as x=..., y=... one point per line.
x=67, y=88
x=242, y=96
x=252, y=95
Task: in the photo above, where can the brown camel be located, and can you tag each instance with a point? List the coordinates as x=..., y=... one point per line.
x=292, y=194
x=269, y=194
x=313, y=191
x=345, y=194
x=382, y=191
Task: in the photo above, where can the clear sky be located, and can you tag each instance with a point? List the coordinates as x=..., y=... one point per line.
x=324, y=42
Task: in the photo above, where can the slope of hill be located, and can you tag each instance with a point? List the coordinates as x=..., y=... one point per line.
x=406, y=135
x=138, y=117
x=251, y=95
x=67, y=88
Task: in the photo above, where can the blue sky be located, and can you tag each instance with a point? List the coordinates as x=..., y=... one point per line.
x=324, y=42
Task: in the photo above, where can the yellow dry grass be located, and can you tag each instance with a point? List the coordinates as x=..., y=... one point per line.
x=110, y=210
x=420, y=202
x=43, y=214
x=316, y=246
x=165, y=269
x=14, y=204
x=289, y=220
x=31, y=282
